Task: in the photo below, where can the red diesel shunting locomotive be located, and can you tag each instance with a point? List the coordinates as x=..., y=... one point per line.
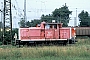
x=47, y=32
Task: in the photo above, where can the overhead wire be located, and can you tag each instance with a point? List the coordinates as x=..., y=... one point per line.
x=18, y=14
x=16, y=7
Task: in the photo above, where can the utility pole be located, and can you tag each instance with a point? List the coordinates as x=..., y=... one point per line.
x=76, y=16
x=75, y=22
x=25, y=11
x=7, y=19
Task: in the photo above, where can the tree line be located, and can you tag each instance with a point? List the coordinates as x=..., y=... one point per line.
x=59, y=15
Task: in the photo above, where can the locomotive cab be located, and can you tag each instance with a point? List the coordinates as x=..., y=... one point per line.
x=52, y=30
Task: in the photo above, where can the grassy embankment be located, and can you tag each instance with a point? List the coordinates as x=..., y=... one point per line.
x=78, y=51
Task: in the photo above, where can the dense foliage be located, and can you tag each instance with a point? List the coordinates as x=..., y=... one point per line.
x=22, y=23
x=62, y=15
x=6, y=39
x=47, y=18
x=84, y=18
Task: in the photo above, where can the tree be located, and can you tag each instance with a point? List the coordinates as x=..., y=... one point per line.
x=62, y=15
x=47, y=18
x=28, y=24
x=34, y=22
x=7, y=37
x=84, y=18
x=22, y=23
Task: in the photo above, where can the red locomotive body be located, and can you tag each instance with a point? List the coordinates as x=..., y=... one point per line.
x=47, y=32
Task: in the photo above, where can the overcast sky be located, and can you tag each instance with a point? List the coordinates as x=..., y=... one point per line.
x=35, y=8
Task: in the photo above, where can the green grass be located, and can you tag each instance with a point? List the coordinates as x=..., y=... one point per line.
x=78, y=51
